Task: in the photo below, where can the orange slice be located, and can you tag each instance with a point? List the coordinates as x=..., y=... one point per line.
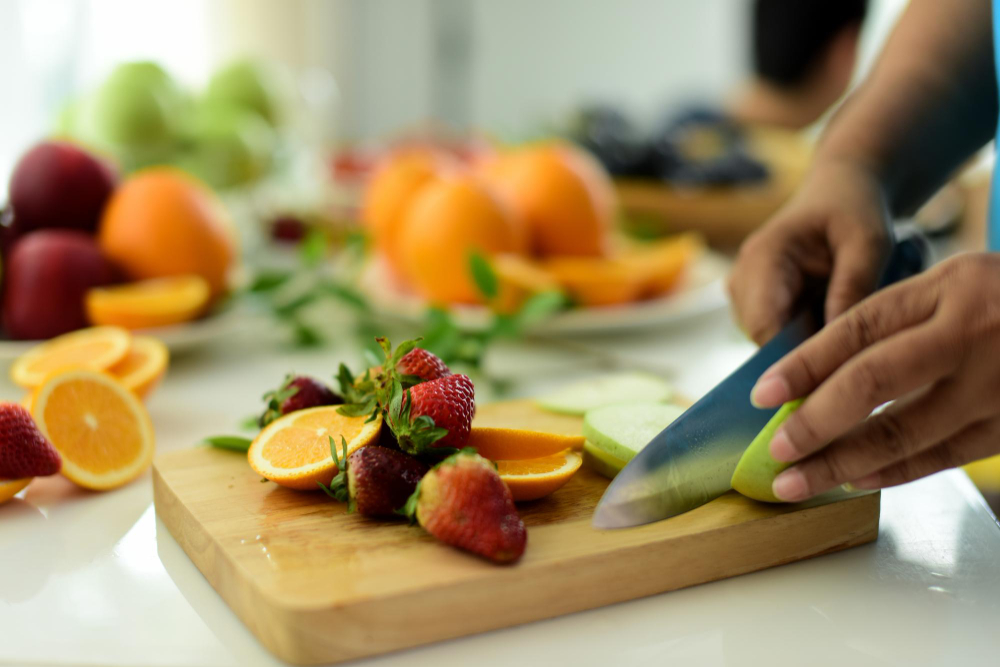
x=509, y=444
x=597, y=281
x=662, y=263
x=11, y=487
x=294, y=451
x=158, y=302
x=535, y=478
x=97, y=348
x=144, y=365
x=99, y=427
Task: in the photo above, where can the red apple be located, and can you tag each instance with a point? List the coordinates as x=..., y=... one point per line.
x=46, y=277
x=58, y=184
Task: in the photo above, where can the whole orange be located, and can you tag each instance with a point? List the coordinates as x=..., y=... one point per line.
x=391, y=188
x=162, y=222
x=564, y=196
x=445, y=223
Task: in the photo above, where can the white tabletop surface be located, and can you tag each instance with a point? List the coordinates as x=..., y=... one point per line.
x=95, y=579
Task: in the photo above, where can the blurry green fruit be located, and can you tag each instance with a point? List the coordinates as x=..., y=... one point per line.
x=138, y=106
x=227, y=146
x=252, y=85
x=756, y=470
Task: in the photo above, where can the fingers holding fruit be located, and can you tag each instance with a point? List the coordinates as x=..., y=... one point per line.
x=929, y=345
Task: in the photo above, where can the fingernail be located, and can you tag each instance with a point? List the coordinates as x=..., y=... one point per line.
x=790, y=486
x=868, y=482
x=782, y=448
x=770, y=391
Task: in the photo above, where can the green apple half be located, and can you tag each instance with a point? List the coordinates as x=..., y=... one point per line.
x=756, y=469
x=621, y=431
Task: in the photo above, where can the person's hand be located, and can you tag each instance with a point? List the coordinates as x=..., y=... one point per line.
x=931, y=344
x=835, y=226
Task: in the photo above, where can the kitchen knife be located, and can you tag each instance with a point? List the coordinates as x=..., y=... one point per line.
x=692, y=461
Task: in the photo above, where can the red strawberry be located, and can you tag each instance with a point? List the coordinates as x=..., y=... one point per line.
x=463, y=502
x=434, y=414
x=422, y=364
x=376, y=481
x=24, y=451
x=297, y=393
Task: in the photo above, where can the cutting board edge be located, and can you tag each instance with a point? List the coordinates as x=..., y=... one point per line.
x=206, y=553
x=306, y=638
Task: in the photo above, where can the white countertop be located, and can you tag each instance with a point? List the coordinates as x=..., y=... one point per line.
x=95, y=579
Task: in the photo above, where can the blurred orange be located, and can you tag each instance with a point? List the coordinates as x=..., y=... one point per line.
x=162, y=222
x=392, y=187
x=565, y=197
x=663, y=262
x=520, y=277
x=446, y=222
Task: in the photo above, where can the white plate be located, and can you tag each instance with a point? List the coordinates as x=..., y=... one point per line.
x=179, y=338
x=702, y=291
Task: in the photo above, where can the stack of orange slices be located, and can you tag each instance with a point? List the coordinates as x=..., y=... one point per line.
x=138, y=362
x=85, y=390
x=532, y=464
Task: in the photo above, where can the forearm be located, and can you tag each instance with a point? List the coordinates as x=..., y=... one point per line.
x=930, y=102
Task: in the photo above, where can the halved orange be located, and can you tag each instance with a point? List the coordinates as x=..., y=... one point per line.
x=11, y=487
x=96, y=348
x=510, y=444
x=99, y=427
x=144, y=365
x=294, y=451
x=157, y=302
x=535, y=478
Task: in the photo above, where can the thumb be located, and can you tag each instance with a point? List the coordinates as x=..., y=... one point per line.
x=856, y=268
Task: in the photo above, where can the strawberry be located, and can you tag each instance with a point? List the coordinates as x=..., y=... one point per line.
x=298, y=392
x=433, y=414
x=24, y=451
x=463, y=502
x=423, y=414
x=375, y=481
x=419, y=363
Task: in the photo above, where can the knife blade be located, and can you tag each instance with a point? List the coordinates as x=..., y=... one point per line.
x=692, y=460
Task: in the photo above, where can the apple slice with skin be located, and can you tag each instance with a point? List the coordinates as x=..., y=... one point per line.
x=623, y=388
x=756, y=469
x=623, y=430
x=600, y=461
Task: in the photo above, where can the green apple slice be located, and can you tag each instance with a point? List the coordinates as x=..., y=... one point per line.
x=756, y=469
x=612, y=389
x=623, y=430
x=600, y=461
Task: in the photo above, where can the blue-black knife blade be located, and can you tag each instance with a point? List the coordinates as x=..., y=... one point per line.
x=692, y=461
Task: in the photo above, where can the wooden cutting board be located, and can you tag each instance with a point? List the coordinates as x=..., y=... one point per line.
x=317, y=585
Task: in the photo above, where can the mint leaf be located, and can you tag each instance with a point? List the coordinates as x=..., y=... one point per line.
x=484, y=276
x=233, y=443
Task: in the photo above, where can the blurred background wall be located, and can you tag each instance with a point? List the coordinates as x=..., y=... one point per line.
x=370, y=67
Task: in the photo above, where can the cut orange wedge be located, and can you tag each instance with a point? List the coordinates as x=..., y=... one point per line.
x=294, y=451
x=97, y=348
x=144, y=365
x=99, y=427
x=509, y=444
x=532, y=479
x=158, y=302
x=11, y=487
x=525, y=415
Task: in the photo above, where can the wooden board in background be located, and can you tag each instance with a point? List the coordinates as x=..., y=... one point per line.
x=316, y=584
